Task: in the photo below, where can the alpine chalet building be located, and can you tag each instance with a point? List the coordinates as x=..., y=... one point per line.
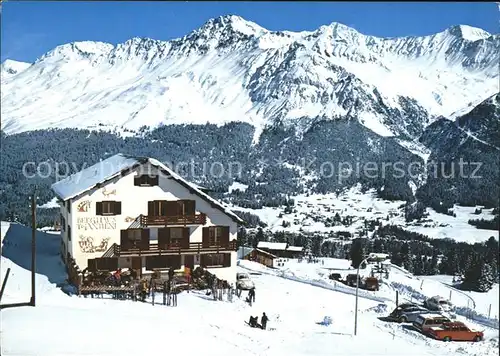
x=135, y=212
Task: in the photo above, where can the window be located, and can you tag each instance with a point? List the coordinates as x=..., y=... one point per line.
x=69, y=233
x=215, y=235
x=146, y=180
x=176, y=233
x=134, y=235
x=63, y=222
x=171, y=207
x=216, y=260
x=68, y=206
x=157, y=208
x=108, y=208
x=134, y=239
x=186, y=207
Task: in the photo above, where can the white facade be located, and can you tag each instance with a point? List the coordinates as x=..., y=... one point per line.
x=87, y=235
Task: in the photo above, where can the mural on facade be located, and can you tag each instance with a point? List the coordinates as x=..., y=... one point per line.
x=87, y=244
x=107, y=193
x=96, y=223
x=83, y=206
x=129, y=219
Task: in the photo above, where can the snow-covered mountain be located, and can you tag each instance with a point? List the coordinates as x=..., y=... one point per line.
x=231, y=69
x=10, y=68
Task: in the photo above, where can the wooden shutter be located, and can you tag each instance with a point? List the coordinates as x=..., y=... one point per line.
x=153, y=180
x=224, y=237
x=189, y=207
x=174, y=261
x=91, y=265
x=205, y=237
x=137, y=263
x=150, y=263
x=227, y=260
x=106, y=263
x=204, y=261
x=162, y=211
x=137, y=181
x=98, y=208
x=151, y=208
x=186, y=232
x=144, y=245
x=172, y=207
x=125, y=243
x=112, y=263
x=163, y=238
x=117, y=208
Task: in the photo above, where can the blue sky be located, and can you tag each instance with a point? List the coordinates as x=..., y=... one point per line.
x=29, y=29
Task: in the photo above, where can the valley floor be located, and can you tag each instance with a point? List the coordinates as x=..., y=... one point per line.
x=313, y=210
x=69, y=325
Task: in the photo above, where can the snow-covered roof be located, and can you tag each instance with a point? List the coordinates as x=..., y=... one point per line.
x=272, y=245
x=112, y=167
x=378, y=255
x=265, y=253
x=295, y=248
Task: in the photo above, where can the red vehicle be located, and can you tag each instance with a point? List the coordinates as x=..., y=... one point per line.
x=455, y=331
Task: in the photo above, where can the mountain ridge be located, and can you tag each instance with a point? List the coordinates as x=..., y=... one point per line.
x=235, y=70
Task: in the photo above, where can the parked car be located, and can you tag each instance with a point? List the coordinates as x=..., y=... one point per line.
x=426, y=321
x=440, y=305
x=350, y=280
x=371, y=283
x=244, y=282
x=335, y=276
x=407, y=313
x=456, y=331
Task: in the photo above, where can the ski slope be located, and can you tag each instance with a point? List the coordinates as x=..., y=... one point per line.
x=69, y=325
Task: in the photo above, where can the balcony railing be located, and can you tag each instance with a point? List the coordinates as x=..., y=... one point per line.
x=196, y=219
x=172, y=249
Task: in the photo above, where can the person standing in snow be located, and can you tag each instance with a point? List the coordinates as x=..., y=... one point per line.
x=144, y=289
x=230, y=293
x=251, y=295
x=263, y=321
x=174, y=293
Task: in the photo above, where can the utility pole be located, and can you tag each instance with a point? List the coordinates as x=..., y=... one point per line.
x=356, y=307
x=33, y=247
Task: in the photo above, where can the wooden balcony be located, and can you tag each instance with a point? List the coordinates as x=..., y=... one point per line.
x=196, y=219
x=171, y=249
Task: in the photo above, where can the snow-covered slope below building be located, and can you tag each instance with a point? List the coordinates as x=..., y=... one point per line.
x=64, y=325
x=231, y=69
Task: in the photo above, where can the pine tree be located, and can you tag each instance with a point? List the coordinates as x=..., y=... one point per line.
x=486, y=279
x=357, y=252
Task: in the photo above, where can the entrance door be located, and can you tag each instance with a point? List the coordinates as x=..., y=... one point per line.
x=137, y=264
x=189, y=261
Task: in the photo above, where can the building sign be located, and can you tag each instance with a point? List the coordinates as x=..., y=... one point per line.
x=87, y=244
x=96, y=223
x=83, y=206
